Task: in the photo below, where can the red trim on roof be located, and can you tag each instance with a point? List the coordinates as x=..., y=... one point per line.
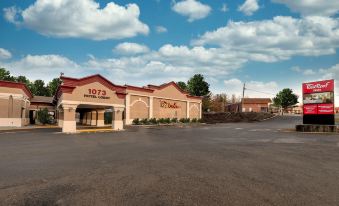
x=176, y=86
x=141, y=89
x=69, y=84
x=17, y=85
x=195, y=97
x=69, y=81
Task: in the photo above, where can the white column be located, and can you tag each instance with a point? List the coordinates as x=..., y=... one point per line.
x=187, y=109
x=69, y=123
x=93, y=118
x=117, y=122
x=127, y=109
x=60, y=117
x=150, y=109
x=101, y=118
x=200, y=115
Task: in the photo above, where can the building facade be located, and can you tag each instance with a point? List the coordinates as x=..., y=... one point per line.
x=14, y=104
x=250, y=105
x=85, y=101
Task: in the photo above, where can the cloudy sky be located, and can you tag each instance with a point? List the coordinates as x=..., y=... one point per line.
x=269, y=44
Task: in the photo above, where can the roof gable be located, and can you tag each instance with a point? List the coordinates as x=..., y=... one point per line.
x=17, y=85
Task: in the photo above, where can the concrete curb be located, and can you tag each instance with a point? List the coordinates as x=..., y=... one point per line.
x=28, y=128
x=274, y=116
x=96, y=130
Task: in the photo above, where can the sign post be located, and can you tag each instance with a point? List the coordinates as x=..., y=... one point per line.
x=318, y=103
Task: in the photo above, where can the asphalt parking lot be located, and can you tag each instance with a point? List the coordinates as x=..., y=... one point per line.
x=263, y=163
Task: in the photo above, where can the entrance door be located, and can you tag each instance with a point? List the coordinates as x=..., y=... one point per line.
x=31, y=117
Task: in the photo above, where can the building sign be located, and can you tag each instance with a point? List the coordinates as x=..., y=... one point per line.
x=96, y=94
x=165, y=104
x=318, y=101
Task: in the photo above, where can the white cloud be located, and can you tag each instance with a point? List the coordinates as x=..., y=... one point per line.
x=309, y=72
x=306, y=72
x=254, y=88
x=312, y=7
x=79, y=19
x=128, y=48
x=224, y=7
x=193, y=9
x=43, y=67
x=249, y=7
x=277, y=39
x=5, y=54
x=331, y=73
x=160, y=29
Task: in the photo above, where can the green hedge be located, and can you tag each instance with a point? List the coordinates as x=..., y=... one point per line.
x=154, y=121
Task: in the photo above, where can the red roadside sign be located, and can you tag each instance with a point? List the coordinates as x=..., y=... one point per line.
x=320, y=86
x=325, y=109
x=318, y=102
x=310, y=109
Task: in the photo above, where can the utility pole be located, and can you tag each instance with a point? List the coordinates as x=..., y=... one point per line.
x=243, y=91
x=243, y=96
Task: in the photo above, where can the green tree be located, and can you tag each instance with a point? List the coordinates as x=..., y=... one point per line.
x=43, y=116
x=23, y=79
x=53, y=86
x=285, y=99
x=182, y=85
x=6, y=75
x=198, y=86
x=39, y=88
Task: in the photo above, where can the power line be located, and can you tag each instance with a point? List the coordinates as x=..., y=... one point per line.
x=259, y=91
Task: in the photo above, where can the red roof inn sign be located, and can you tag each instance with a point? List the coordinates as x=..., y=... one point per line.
x=318, y=101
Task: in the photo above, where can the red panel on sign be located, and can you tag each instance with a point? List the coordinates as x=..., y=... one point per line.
x=310, y=109
x=325, y=109
x=321, y=86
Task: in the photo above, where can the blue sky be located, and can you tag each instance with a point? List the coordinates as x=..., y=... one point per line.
x=269, y=44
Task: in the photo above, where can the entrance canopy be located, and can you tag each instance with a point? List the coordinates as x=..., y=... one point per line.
x=89, y=97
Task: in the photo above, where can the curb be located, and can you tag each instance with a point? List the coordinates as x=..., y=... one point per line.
x=274, y=116
x=97, y=130
x=28, y=128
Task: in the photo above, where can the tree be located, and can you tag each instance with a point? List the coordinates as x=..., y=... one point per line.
x=43, y=116
x=206, y=103
x=198, y=86
x=182, y=85
x=39, y=89
x=285, y=99
x=218, y=102
x=23, y=79
x=6, y=75
x=53, y=85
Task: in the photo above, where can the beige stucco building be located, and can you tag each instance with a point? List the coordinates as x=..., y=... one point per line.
x=14, y=104
x=85, y=101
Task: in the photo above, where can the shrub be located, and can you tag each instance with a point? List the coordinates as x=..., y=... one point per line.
x=174, y=120
x=200, y=120
x=161, y=121
x=153, y=121
x=194, y=120
x=136, y=121
x=182, y=120
x=144, y=121
x=187, y=120
x=167, y=120
x=43, y=116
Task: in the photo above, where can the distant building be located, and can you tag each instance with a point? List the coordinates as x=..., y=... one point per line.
x=250, y=105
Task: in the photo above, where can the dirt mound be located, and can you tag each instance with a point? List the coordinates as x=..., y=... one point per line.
x=226, y=117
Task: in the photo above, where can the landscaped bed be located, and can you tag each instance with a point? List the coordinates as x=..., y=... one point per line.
x=226, y=117
x=164, y=121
